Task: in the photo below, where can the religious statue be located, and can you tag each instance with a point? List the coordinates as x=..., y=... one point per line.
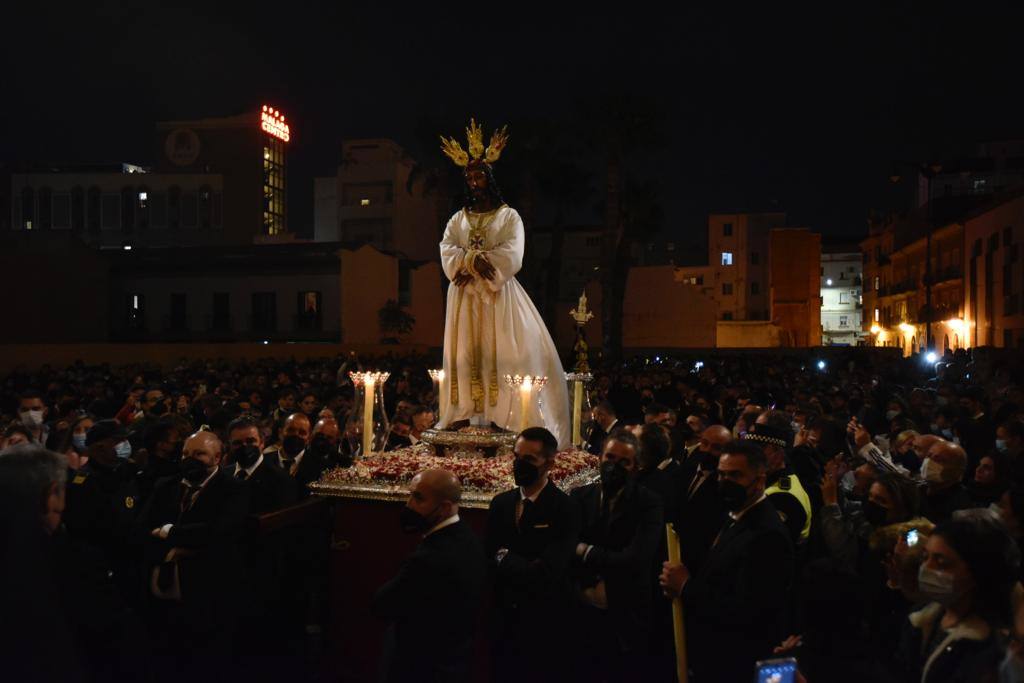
x=491, y=327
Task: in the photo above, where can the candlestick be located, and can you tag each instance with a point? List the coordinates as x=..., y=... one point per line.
x=526, y=385
x=368, y=414
x=524, y=397
x=579, y=381
x=437, y=376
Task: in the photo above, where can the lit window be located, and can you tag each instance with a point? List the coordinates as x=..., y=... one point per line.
x=135, y=302
x=726, y=258
x=364, y=202
x=28, y=225
x=143, y=196
x=876, y=315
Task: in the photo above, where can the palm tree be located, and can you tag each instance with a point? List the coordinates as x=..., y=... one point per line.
x=394, y=321
x=619, y=127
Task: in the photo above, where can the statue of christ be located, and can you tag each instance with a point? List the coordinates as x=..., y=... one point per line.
x=491, y=326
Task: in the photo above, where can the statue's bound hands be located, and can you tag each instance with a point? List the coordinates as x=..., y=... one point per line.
x=484, y=268
x=462, y=278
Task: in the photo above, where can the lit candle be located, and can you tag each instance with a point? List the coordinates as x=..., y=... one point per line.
x=368, y=382
x=577, y=411
x=524, y=396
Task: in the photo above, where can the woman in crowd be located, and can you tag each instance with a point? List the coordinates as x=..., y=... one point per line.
x=970, y=569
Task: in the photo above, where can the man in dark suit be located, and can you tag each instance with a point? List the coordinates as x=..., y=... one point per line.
x=619, y=534
x=604, y=423
x=531, y=538
x=270, y=487
x=700, y=511
x=736, y=601
x=401, y=426
x=432, y=602
x=192, y=527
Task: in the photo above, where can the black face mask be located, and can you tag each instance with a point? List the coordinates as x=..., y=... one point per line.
x=293, y=445
x=246, y=456
x=175, y=454
x=524, y=472
x=193, y=471
x=320, y=445
x=706, y=460
x=875, y=513
x=413, y=522
x=733, y=495
x=613, y=476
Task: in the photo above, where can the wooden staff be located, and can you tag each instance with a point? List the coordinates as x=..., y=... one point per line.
x=678, y=629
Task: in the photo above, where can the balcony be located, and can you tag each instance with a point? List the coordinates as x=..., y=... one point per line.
x=946, y=274
x=903, y=286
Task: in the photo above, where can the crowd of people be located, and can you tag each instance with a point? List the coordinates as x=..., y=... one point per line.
x=862, y=513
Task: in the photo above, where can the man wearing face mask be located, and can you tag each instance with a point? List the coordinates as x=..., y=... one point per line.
x=431, y=603
x=530, y=539
x=621, y=525
x=154, y=404
x=191, y=528
x=736, y=603
x=163, y=442
x=270, y=488
x=700, y=508
x=99, y=498
x=294, y=434
x=784, y=490
x=943, y=472
x=32, y=412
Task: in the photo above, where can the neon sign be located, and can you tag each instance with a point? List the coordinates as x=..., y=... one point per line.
x=272, y=122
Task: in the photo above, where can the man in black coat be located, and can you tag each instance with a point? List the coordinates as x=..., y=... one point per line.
x=735, y=604
x=605, y=422
x=270, y=487
x=700, y=510
x=619, y=534
x=432, y=602
x=192, y=528
x=531, y=538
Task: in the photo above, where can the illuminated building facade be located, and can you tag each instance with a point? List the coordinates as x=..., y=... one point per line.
x=895, y=275
x=841, y=301
x=995, y=274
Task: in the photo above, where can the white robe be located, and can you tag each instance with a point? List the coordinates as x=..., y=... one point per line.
x=508, y=331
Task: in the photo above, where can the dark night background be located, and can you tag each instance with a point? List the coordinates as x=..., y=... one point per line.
x=804, y=111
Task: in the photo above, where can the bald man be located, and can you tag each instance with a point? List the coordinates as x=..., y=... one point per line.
x=192, y=524
x=432, y=601
x=943, y=472
x=700, y=509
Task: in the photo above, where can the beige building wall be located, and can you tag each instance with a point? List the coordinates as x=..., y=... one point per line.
x=368, y=279
x=994, y=278
x=658, y=312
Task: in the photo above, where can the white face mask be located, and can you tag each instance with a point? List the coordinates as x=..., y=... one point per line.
x=890, y=414
x=936, y=586
x=931, y=472
x=33, y=419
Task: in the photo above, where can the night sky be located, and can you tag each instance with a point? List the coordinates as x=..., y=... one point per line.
x=805, y=111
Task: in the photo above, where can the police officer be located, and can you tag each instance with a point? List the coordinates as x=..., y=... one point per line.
x=784, y=490
x=100, y=504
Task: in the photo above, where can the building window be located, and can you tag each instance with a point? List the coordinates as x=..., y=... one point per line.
x=61, y=211
x=174, y=207
x=274, y=187
x=45, y=208
x=264, y=312
x=221, y=319
x=876, y=315
x=28, y=208
x=364, y=202
x=135, y=314
x=77, y=209
x=726, y=258
x=844, y=321
x=179, y=312
x=189, y=210
x=755, y=258
x=727, y=315
x=755, y=288
x=111, y=212
x=726, y=288
x=593, y=242
x=158, y=209
x=205, y=208
x=844, y=298
x=128, y=201
x=310, y=318
x=727, y=229
x=876, y=283
x=670, y=246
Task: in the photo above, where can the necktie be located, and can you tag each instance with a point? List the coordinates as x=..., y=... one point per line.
x=188, y=494
x=242, y=475
x=524, y=508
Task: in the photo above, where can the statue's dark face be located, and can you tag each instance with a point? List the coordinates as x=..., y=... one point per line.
x=476, y=179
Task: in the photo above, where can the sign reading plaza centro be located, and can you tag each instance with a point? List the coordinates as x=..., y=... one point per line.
x=272, y=122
